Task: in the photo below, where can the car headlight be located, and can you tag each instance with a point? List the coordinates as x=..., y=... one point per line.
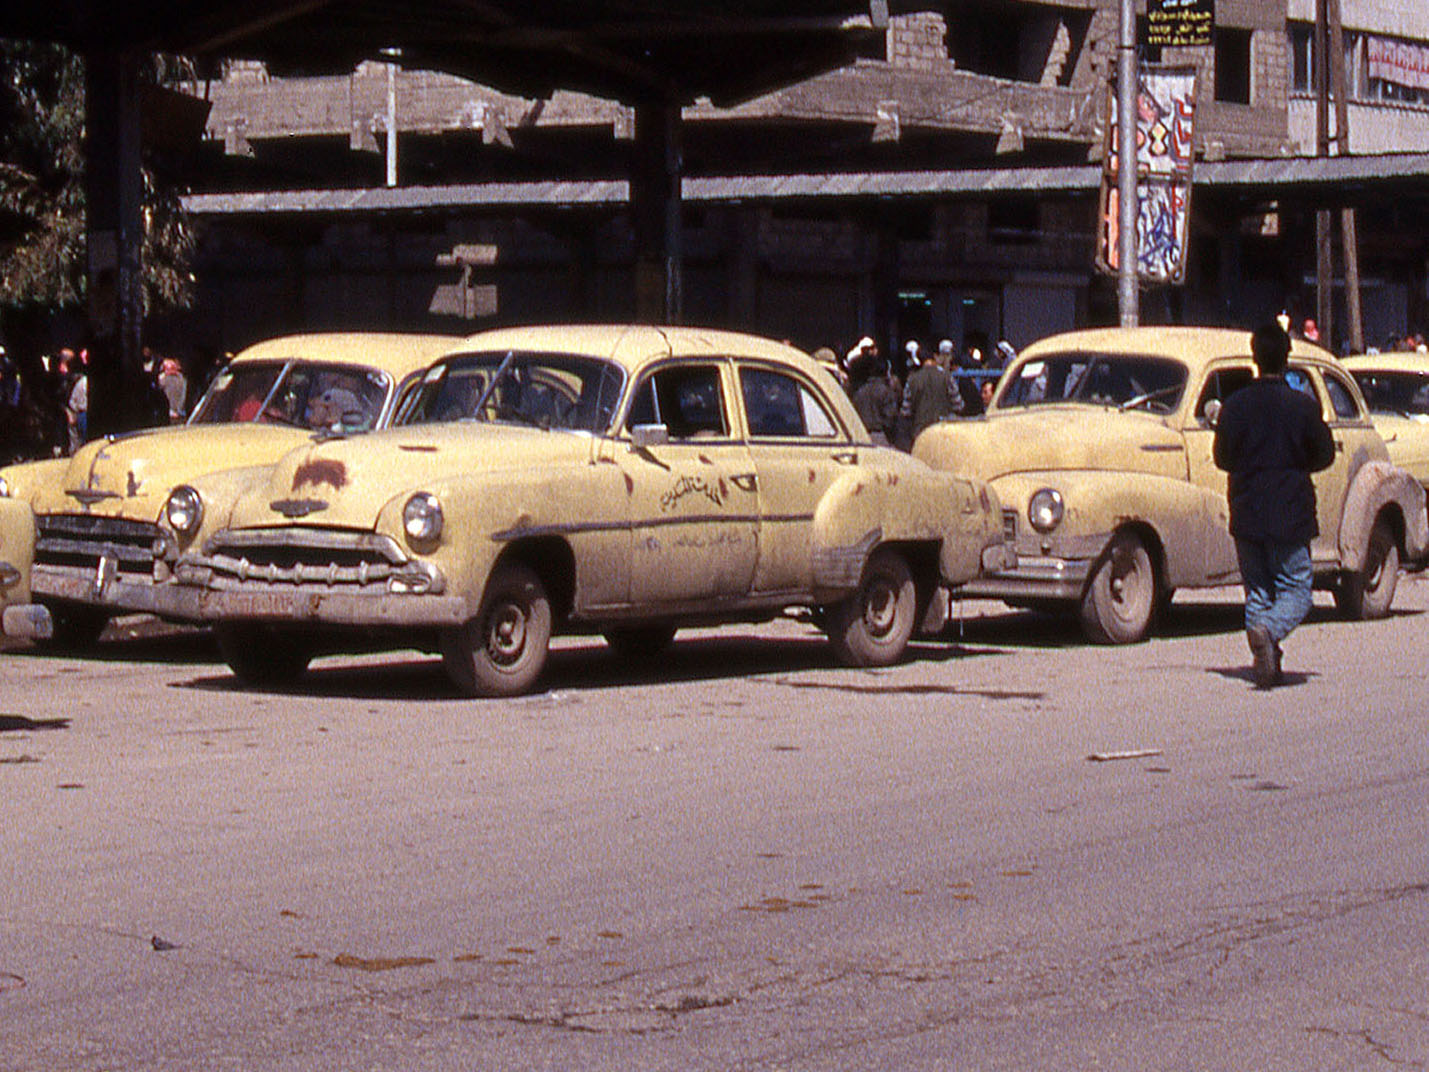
x=422, y=518
x=4, y=488
x=1044, y=510
x=184, y=510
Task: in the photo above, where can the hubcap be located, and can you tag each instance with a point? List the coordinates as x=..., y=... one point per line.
x=880, y=610
x=506, y=633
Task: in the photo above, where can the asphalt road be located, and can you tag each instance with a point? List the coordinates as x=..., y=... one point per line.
x=745, y=857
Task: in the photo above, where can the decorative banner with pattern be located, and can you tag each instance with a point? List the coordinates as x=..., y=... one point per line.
x=1165, y=155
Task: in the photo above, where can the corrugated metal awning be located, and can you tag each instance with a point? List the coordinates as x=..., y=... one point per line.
x=1268, y=176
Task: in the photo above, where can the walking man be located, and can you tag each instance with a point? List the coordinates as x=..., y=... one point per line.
x=1269, y=439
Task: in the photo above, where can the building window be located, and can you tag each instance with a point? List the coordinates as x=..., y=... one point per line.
x=1302, y=57
x=1023, y=43
x=1233, y=66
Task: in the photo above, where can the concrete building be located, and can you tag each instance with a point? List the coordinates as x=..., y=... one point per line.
x=946, y=187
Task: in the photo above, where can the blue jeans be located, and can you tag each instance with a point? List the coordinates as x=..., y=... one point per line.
x=1278, y=582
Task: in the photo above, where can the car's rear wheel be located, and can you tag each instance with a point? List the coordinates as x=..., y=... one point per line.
x=639, y=641
x=502, y=651
x=263, y=654
x=1120, y=601
x=1369, y=592
x=872, y=627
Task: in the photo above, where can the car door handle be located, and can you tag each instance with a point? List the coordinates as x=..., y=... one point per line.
x=846, y=457
x=745, y=481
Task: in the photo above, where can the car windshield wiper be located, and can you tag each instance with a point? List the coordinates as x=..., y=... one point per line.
x=490, y=387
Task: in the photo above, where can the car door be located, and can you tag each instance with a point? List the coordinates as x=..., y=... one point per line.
x=799, y=448
x=691, y=489
x=1356, y=442
x=1217, y=556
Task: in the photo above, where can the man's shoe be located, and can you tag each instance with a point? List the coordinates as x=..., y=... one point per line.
x=1264, y=667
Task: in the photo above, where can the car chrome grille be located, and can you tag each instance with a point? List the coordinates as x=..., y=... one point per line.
x=77, y=540
x=323, y=558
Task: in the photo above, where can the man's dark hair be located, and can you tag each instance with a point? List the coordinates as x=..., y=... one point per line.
x=1270, y=347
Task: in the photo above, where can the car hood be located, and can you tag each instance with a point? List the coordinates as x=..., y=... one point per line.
x=1052, y=438
x=131, y=476
x=345, y=483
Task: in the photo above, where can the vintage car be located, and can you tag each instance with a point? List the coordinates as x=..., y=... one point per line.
x=18, y=616
x=1396, y=388
x=101, y=547
x=1098, y=444
x=625, y=480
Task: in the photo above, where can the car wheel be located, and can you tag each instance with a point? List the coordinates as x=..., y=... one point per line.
x=502, y=651
x=75, y=628
x=639, y=641
x=1369, y=592
x=872, y=627
x=262, y=654
x=1120, y=601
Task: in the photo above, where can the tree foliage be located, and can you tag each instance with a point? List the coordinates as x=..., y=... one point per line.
x=42, y=191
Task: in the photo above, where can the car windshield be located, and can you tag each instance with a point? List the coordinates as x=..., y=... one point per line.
x=1401, y=393
x=316, y=396
x=519, y=387
x=1127, y=381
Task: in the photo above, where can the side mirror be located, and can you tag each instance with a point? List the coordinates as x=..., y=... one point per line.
x=645, y=436
x=1212, y=413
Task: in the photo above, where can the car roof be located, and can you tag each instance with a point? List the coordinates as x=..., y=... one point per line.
x=632, y=345
x=1193, y=346
x=1395, y=361
x=397, y=353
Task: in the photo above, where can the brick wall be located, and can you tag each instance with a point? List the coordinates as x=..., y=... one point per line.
x=918, y=41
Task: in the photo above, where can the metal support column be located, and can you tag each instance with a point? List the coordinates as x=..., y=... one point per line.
x=115, y=226
x=1348, y=231
x=1324, y=239
x=1128, y=297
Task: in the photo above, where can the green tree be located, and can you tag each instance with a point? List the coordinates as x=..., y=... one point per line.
x=42, y=187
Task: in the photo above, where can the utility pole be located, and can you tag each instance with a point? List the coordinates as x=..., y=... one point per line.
x=1128, y=297
x=1330, y=78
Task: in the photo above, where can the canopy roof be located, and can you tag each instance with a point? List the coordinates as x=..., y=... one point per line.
x=629, y=50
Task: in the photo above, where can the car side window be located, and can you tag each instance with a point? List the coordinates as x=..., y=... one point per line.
x=1220, y=385
x=686, y=399
x=1342, y=399
x=780, y=405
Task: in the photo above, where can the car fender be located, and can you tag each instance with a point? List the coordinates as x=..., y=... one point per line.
x=17, y=550
x=1178, y=514
x=866, y=508
x=1378, y=485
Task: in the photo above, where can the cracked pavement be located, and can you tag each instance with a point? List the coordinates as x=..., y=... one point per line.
x=746, y=858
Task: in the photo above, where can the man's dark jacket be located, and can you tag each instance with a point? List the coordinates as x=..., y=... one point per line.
x=1270, y=438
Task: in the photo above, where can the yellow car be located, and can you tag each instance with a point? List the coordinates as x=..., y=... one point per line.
x=617, y=479
x=1098, y=444
x=18, y=616
x=101, y=546
x=1396, y=388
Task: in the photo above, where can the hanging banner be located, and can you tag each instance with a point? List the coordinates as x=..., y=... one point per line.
x=1180, y=23
x=1165, y=143
x=1399, y=62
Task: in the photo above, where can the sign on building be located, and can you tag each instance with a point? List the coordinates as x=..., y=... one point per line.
x=1180, y=23
x=1165, y=142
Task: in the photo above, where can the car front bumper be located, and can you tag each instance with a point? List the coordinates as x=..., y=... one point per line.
x=1034, y=578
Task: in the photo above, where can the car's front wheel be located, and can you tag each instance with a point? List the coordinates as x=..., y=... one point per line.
x=1120, y=602
x=872, y=627
x=1368, y=593
x=502, y=651
x=262, y=654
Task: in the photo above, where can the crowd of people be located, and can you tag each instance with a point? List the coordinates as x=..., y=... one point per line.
x=47, y=415
x=897, y=400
